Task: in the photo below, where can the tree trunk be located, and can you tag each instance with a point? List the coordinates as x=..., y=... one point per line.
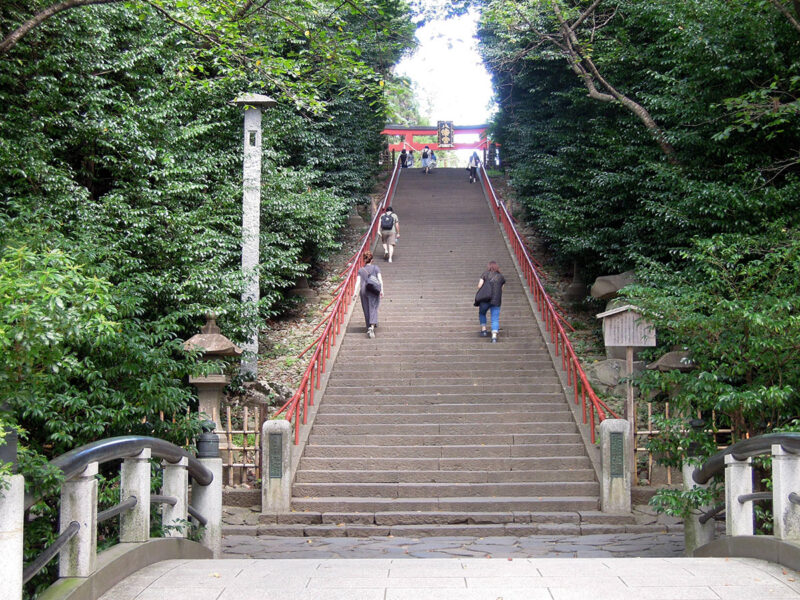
x=20, y=32
x=585, y=68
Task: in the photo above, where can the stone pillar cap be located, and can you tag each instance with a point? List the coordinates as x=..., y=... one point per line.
x=211, y=341
x=259, y=100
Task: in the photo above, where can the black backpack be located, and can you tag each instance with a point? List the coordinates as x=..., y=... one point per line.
x=387, y=221
x=424, y=154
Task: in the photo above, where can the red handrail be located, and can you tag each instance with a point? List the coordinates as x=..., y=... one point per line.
x=576, y=377
x=296, y=408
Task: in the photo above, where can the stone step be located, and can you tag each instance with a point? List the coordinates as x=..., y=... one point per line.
x=471, y=528
x=421, y=369
x=456, y=452
x=541, y=489
x=346, y=387
x=448, y=429
x=464, y=504
x=437, y=476
x=378, y=439
x=450, y=418
x=476, y=378
x=405, y=399
x=496, y=465
x=460, y=413
x=484, y=356
x=393, y=518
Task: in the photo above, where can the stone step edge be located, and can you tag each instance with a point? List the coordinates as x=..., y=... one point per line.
x=434, y=530
x=391, y=518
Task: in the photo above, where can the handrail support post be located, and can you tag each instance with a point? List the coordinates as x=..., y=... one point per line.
x=785, y=480
x=695, y=532
x=176, y=484
x=738, y=481
x=79, y=503
x=134, y=524
x=12, y=518
x=207, y=500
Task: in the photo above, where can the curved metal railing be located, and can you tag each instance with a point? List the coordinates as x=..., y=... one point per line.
x=75, y=462
x=554, y=322
x=296, y=408
x=743, y=449
x=740, y=452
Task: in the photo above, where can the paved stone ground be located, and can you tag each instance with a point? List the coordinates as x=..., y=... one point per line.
x=461, y=579
x=583, y=546
x=665, y=543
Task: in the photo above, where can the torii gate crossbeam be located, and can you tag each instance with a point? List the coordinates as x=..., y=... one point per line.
x=409, y=132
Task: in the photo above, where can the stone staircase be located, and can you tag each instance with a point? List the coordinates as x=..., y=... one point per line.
x=429, y=429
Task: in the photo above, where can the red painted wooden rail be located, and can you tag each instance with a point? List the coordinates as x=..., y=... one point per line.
x=296, y=409
x=576, y=377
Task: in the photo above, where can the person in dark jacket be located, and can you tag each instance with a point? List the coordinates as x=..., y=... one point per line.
x=495, y=280
x=370, y=300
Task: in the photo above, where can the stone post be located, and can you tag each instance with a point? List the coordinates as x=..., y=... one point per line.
x=615, y=487
x=176, y=484
x=251, y=214
x=276, y=460
x=695, y=533
x=207, y=499
x=12, y=515
x=79, y=503
x=738, y=481
x=785, y=480
x=134, y=525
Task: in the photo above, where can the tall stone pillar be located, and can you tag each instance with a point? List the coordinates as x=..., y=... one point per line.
x=251, y=214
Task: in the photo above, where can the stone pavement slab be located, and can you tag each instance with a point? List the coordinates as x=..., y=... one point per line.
x=567, y=546
x=666, y=578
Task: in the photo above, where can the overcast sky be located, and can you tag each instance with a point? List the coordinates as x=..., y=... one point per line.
x=449, y=77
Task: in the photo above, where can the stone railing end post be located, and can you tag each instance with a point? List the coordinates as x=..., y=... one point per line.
x=276, y=475
x=615, y=447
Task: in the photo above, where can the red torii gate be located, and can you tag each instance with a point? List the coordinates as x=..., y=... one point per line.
x=408, y=133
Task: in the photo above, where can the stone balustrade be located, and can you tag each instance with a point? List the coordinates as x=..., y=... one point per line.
x=76, y=546
x=783, y=545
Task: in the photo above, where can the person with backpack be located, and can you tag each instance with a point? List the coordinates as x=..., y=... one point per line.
x=369, y=285
x=403, y=158
x=472, y=167
x=489, y=297
x=390, y=231
x=426, y=160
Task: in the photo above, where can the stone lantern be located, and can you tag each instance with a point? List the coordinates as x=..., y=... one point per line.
x=214, y=346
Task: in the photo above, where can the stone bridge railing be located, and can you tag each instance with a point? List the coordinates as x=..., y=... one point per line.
x=83, y=573
x=783, y=546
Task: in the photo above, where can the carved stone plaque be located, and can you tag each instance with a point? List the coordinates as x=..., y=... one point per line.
x=616, y=454
x=275, y=456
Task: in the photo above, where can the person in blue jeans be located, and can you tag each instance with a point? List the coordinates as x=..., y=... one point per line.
x=493, y=278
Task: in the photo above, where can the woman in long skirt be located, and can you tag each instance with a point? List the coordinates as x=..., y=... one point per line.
x=370, y=299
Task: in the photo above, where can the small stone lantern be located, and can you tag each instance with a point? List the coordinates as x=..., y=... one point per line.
x=215, y=345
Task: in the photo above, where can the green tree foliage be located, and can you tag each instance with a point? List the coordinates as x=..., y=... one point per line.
x=120, y=193
x=690, y=198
